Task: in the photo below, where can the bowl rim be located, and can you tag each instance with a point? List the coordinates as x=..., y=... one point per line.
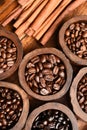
x=69, y=73
x=21, y=122
x=55, y=106
x=13, y=37
x=73, y=95
x=74, y=58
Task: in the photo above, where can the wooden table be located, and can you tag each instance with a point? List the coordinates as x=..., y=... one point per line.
x=30, y=44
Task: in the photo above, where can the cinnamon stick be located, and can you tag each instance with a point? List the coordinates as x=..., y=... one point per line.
x=12, y=15
x=25, y=3
x=55, y=25
x=26, y=24
x=27, y=13
x=49, y=8
x=45, y=26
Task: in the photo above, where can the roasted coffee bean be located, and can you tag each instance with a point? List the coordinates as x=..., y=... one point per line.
x=8, y=54
x=75, y=36
x=10, y=108
x=47, y=121
x=82, y=93
x=45, y=74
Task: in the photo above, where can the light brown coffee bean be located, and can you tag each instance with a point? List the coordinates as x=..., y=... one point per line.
x=32, y=71
x=44, y=91
x=62, y=74
x=43, y=82
x=1, y=59
x=10, y=63
x=56, y=87
x=55, y=70
x=35, y=60
x=30, y=65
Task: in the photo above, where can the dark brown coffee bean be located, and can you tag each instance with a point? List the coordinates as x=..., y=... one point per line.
x=47, y=65
x=43, y=58
x=42, y=71
x=4, y=122
x=82, y=92
x=9, y=107
x=76, y=40
x=8, y=54
x=85, y=34
x=49, y=77
x=47, y=72
x=46, y=120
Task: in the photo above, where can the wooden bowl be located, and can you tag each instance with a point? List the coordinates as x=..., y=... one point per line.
x=73, y=94
x=51, y=106
x=13, y=37
x=25, y=110
x=74, y=58
x=69, y=73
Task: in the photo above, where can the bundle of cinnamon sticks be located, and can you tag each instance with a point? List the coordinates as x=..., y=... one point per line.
x=40, y=18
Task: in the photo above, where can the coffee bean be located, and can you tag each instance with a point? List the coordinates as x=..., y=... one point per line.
x=31, y=70
x=47, y=65
x=43, y=82
x=44, y=91
x=46, y=120
x=8, y=54
x=1, y=71
x=10, y=108
x=82, y=92
x=55, y=70
x=76, y=39
x=43, y=71
x=49, y=77
x=35, y=60
x=56, y=87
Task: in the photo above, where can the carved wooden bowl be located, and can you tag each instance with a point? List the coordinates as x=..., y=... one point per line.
x=71, y=37
x=78, y=94
x=45, y=71
x=48, y=110
x=10, y=53
x=14, y=106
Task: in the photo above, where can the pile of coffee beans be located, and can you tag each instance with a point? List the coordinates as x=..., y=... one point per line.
x=76, y=39
x=52, y=120
x=45, y=74
x=11, y=106
x=82, y=93
x=8, y=54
